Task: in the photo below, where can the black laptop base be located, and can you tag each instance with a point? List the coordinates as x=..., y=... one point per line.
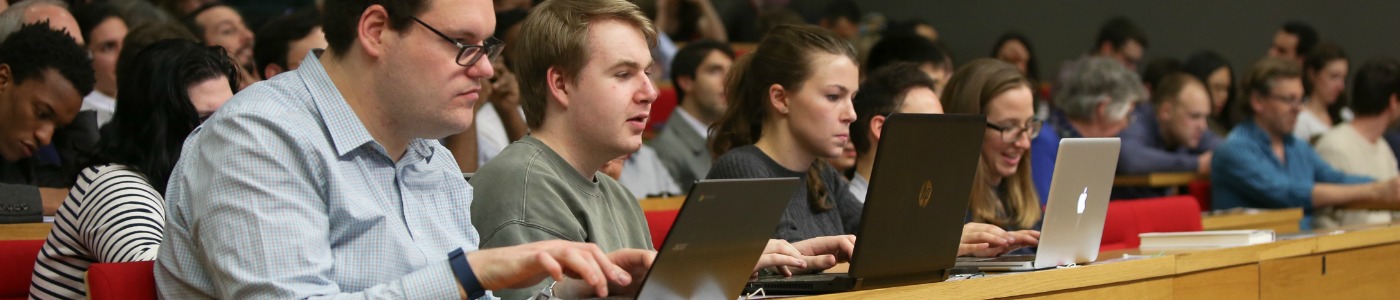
x=809, y=284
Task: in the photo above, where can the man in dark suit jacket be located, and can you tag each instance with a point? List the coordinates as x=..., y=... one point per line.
x=43, y=77
x=698, y=73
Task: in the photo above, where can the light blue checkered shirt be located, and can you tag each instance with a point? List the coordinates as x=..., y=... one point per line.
x=284, y=194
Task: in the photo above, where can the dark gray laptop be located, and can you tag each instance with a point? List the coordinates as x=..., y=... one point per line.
x=914, y=208
x=718, y=237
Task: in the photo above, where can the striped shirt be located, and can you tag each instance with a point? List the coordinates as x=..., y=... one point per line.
x=112, y=214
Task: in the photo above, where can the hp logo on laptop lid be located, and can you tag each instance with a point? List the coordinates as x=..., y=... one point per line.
x=925, y=193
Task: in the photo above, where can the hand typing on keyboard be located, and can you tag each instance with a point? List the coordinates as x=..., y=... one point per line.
x=986, y=240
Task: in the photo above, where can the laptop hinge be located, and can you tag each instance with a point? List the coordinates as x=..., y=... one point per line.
x=900, y=280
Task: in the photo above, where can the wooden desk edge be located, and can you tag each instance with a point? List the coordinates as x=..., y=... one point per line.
x=661, y=204
x=25, y=231
x=1028, y=283
x=1235, y=221
x=1155, y=179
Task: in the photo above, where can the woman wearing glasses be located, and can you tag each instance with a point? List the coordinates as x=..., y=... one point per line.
x=1003, y=194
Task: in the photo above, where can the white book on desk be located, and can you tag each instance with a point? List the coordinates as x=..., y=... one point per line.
x=1203, y=239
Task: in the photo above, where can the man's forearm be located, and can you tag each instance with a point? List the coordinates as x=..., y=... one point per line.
x=1327, y=194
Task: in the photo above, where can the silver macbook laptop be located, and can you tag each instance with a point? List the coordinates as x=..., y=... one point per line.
x=1073, y=225
x=718, y=237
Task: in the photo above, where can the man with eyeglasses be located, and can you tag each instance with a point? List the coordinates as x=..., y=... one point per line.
x=1096, y=100
x=328, y=181
x=1168, y=135
x=1262, y=165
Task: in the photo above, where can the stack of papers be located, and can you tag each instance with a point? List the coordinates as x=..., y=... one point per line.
x=1204, y=239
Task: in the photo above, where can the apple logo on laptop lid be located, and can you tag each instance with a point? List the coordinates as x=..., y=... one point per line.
x=1082, y=196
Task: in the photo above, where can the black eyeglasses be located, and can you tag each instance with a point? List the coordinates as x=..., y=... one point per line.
x=469, y=54
x=1009, y=134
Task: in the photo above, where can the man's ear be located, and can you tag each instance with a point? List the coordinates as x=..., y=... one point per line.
x=1101, y=110
x=271, y=70
x=6, y=77
x=1165, y=110
x=1106, y=47
x=373, y=29
x=684, y=84
x=777, y=97
x=557, y=84
x=1256, y=103
x=877, y=124
x=1394, y=103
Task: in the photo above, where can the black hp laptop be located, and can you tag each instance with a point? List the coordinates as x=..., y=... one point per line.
x=719, y=235
x=914, y=210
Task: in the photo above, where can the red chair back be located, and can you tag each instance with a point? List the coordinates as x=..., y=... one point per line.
x=661, y=108
x=131, y=280
x=17, y=267
x=1119, y=229
x=1201, y=190
x=659, y=222
x=1127, y=218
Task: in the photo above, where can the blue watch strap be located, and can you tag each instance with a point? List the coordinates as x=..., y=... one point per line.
x=465, y=276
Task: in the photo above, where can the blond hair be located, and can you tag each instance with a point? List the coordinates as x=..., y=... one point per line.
x=555, y=35
x=969, y=91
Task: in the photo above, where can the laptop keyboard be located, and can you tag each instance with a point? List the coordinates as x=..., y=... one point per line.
x=800, y=278
x=1004, y=258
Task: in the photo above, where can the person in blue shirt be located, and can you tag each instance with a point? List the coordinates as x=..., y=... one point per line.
x=1168, y=135
x=1094, y=100
x=1262, y=165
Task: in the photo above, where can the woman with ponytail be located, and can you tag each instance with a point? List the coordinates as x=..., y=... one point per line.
x=789, y=105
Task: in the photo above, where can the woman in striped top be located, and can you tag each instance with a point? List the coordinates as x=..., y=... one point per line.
x=115, y=212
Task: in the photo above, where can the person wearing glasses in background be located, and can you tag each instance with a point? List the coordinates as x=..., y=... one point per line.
x=328, y=181
x=1003, y=194
x=1262, y=165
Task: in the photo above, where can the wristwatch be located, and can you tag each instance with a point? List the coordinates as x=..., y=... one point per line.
x=465, y=276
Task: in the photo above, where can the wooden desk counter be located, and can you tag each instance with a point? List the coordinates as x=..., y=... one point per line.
x=1282, y=221
x=662, y=203
x=25, y=231
x=1353, y=263
x=1124, y=278
x=1156, y=179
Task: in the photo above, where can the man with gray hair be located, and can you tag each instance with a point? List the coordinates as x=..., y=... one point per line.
x=1093, y=101
x=33, y=11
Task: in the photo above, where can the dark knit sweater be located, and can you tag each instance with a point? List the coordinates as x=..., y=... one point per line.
x=799, y=222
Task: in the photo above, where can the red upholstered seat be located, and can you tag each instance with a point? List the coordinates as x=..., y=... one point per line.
x=1201, y=190
x=1127, y=218
x=132, y=280
x=661, y=108
x=659, y=222
x=17, y=267
x=1119, y=229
